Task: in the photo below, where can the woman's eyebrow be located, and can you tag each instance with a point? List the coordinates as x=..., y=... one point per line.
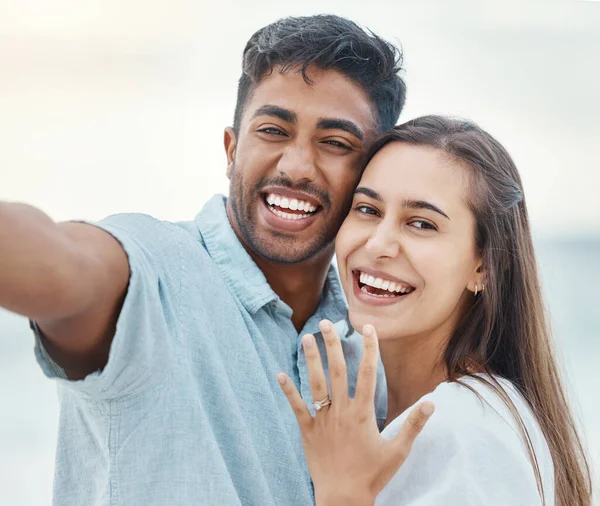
x=406, y=203
x=423, y=204
x=372, y=194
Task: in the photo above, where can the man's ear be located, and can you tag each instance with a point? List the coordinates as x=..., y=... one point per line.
x=230, y=143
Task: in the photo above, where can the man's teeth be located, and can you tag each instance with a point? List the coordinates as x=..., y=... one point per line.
x=288, y=216
x=293, y=204
x=384, y=284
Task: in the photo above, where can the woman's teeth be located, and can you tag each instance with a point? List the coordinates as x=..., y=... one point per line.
x=383, y=284
x=366, y=290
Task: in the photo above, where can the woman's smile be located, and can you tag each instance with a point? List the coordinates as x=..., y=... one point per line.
x=378, y=288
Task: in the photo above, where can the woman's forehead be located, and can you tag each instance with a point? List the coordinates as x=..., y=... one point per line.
x=401, y=170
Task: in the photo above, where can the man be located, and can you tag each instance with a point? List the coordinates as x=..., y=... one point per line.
x=166, y=338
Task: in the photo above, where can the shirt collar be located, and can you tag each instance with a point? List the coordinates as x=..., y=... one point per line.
x=333, y=305
x=242, y=275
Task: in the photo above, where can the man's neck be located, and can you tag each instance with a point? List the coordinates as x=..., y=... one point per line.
x=300, y=285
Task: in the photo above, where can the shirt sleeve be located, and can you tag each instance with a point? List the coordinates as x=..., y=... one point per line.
x=463, y=464
x=142, y=349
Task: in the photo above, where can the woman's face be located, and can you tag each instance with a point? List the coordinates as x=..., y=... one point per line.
x=406, y=252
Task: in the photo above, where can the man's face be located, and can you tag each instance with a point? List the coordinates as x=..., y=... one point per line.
x=295, y=163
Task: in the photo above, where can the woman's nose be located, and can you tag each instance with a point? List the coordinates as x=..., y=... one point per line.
x=383, y=242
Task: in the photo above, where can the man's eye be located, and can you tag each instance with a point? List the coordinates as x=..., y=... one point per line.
x=339, y=144
x=272, y=131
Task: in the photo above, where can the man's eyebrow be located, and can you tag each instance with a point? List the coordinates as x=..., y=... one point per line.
x=406, y=203
x=277, y=112
x=341, y=124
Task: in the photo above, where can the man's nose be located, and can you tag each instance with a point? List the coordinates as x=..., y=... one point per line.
x=298, y=163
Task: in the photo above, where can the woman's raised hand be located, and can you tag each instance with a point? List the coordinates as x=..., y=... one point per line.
x=347, y=458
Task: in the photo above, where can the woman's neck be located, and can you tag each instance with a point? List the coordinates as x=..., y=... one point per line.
x=414, y=366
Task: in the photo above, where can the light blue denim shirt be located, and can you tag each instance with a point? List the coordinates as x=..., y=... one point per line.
x=188, y=410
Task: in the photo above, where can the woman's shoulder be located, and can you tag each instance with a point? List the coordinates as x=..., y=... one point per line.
x=474, y=403
x=474, y=444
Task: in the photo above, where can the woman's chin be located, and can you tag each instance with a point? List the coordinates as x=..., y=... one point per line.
x=382, y=326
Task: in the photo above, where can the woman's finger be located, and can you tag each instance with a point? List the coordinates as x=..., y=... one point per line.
x=410, y=429
x=296, y=401
x=316, y=374
x=367, y=372
x=338, y=377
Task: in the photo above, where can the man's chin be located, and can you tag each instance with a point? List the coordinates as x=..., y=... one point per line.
x=287, y=249
x=283, y=255
x=266, y=240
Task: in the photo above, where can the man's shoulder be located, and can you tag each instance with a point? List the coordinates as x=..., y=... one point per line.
x=144, y=225
x=162, y=242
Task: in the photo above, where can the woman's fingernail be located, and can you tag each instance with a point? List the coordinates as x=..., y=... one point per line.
x=427, y=409
x=282, y=379
x=368, y=330
x=307, y=341
x=325, y=326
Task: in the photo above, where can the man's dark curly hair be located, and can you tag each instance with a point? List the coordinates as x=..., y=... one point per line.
x=329, y=42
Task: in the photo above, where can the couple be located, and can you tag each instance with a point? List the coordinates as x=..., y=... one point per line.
x=167, y=340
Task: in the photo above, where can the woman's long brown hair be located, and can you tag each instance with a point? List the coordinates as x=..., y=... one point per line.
x=505, y=332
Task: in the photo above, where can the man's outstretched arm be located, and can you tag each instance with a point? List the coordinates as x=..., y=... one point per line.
x=70, y=278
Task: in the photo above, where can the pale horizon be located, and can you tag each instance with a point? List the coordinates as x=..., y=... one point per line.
x=115, y=107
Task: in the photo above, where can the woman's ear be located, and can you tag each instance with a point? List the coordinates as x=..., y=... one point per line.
x=478, y=278
x=230, y=143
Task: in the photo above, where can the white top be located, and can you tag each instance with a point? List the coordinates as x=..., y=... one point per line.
x=471, y=453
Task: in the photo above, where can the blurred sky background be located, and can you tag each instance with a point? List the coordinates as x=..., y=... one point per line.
x=119, y=105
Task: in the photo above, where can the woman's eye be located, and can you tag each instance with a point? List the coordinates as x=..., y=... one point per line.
x=423, y=225
x=365, y=210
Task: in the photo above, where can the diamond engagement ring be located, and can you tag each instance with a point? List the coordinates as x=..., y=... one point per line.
x=319, y=405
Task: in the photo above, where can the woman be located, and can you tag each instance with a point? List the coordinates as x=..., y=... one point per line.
x=437, y=255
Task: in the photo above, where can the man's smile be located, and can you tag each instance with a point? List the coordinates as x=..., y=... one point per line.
x=289, y=210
